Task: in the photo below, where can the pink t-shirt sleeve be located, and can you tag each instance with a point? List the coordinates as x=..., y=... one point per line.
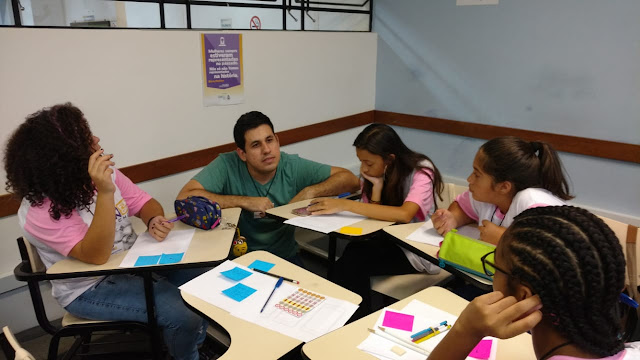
x=131, y=193
x=421, y=192
x=363, y=196
x=60, y=235
x=464, y=201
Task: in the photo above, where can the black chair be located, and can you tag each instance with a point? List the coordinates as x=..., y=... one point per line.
x=32, y=271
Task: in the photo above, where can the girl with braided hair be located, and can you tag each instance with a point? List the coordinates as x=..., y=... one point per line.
x=558, y=271
x=509, y=176
x=75, y=204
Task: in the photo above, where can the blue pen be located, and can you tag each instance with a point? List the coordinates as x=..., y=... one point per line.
x=270, y=295
x=343, y=195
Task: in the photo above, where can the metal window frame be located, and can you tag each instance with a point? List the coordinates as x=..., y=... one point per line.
x=303, y=6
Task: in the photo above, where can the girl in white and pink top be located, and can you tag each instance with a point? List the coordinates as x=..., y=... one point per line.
x=509, y=176
x=398, y=185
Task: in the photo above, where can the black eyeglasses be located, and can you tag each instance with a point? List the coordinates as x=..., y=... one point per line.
x=489, y=266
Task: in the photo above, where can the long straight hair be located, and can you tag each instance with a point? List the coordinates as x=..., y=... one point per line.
x=525, y=164
x=382, y=140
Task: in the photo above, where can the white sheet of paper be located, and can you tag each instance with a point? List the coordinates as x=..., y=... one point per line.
x=176, y=242
x=209, y=287
x=427, y=234
x=329, y=315
x=424, y=316
x=326, y=223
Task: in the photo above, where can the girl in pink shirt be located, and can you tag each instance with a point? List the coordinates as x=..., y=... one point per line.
x=509, y=176
x=398, y=185
x=76, y=205
x=558, y=272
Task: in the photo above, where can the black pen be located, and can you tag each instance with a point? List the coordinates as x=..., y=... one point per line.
x=276, y=276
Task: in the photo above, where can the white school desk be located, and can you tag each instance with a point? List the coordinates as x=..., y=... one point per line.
x=251, y=341
x=207, y=248
x=430, y=252
x=368, y=226
x=342, y=343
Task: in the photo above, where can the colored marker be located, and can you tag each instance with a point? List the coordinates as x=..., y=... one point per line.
x=426, y=331
x=216, y=223
x=436, y=332
x=343, y=195
x=177, y=218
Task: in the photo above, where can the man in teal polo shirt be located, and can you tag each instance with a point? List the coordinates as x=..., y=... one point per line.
x=257, y=177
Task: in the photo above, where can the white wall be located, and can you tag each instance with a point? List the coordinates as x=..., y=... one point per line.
x=569, y=67
x=141, y=92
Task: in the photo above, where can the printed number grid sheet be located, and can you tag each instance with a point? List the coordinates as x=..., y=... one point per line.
x=424, y=316
x=326, y=316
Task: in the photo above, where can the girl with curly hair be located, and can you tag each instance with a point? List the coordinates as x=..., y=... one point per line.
x=76, y=204
x=558, y=271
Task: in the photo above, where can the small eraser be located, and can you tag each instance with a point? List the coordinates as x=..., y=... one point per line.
x=398, y=350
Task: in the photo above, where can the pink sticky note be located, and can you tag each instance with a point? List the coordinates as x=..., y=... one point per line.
x=482, y=350
x=398, y=321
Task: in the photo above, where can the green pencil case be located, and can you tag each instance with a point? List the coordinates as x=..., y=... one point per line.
x=464, y=253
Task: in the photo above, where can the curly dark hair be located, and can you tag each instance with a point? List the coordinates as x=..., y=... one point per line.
x=48, y=156
x=575, y=263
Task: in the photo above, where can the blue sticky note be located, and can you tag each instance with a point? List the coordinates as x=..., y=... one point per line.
x=261, y=265
x=239, y=292
x=147, y=260
x=236, y=273
x=171, y=258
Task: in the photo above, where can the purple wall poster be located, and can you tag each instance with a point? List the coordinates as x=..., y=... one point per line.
x=222, y=69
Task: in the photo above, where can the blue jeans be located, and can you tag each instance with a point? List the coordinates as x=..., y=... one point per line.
x=121, y=297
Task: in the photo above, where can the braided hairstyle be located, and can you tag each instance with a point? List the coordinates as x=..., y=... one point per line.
x=575, y=263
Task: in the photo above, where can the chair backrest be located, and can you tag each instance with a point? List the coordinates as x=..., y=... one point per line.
x=19, y=352
x=447, y=196
x=30, y=270
x=627, y=235
x=34, y=258
x=457, y=190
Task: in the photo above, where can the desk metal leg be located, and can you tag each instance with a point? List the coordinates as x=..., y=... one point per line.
x=332, y=256
x=156, y=340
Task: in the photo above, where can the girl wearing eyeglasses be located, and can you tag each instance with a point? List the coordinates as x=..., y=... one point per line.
x=558, y=272
x=509, y=176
